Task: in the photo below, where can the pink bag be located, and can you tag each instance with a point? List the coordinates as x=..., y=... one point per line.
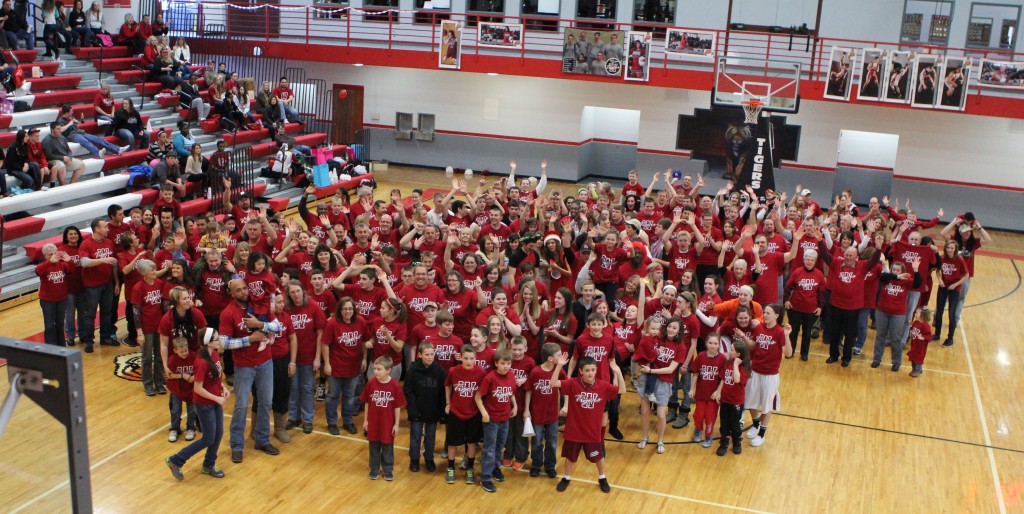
x=105, y=40
x=322, y=155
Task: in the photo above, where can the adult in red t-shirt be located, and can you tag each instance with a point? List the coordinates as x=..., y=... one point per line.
x=953, y=272
x=344, y=358
x=390, y=331
x=805, y=291
x=418, y=294
x=307, y=322
x=604, y=264
x=767, y=347
x=147, y=301
x=53, y=292
x=180, y=320
x=98, y=263
x=209, y=396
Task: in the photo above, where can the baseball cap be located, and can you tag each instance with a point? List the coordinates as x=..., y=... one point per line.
x=635, y=224
x=430, y=305
x=805, y=192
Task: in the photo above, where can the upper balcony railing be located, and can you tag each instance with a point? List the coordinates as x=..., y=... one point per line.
x=542, y=37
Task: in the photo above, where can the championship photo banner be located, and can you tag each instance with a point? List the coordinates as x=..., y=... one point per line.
x=748, y=156
x=690, y=43
x=449, y=56
x=1001, y=74
x=500, y=35
x=638, y=56
x=593, y=52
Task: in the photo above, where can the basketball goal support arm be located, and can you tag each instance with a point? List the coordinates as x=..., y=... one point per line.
x=51, y=376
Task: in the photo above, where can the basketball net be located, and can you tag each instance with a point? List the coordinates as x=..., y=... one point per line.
x=752, y=108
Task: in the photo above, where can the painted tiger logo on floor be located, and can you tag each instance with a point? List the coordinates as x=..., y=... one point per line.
x=129, y=366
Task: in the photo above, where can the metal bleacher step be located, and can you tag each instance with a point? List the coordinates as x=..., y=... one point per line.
x=12, y=274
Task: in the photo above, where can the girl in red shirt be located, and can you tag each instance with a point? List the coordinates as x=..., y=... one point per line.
x=952, y=274
x=731, y=398
x=920, y=336
x=390, y=334
x=706, y=390
x=891, y=313
x=529, y=311
x=209, y=396
x=559, y=322
x=261, y=283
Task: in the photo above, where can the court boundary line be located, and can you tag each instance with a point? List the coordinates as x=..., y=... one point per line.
x=66, y=482
x=1000, y=501
x=1007, y=295
x=868, y=361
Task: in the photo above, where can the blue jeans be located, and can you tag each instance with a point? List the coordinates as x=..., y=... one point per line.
x=495, y=434
x=345, y=389
x=287, y=112
x=190, y=409
x=13, y=37
x=129, y=138
x=862, y=328
x=303, y=149
x=102, y=297
x=26, y=179
x=545, y=446
x=912, y=298
x=677, y=383
x=84, y=35
x=53, y=319
x=152, y=364
x=300, y=398
x=516, y=446
x=90, y=142
x=74, y=304
x=964, y=288
x=211, y=417
x=245, y=378
x=942, y=297
x=425, y=433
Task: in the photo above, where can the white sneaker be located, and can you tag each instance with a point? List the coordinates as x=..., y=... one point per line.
x=44, y=188
x=752, y=432
x=190, y=435
x=757, y=441
x=173, y=436
x=123, y=149
x=102, y=152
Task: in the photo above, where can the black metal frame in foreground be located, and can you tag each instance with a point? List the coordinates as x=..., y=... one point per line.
x=52, y=377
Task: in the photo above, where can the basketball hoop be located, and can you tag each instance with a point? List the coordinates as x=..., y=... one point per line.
x=752, y=108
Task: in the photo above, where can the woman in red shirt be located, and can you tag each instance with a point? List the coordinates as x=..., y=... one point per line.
x=559, y=322
x=129, y=36
x=75, y=303
x=891, y=312
x=952, y=273
x=344, y=358
x=307, y=324
x=462, y=303
x=529, y=311
x=53, y=292
x=145, y=299
x=130, y=254
x=390, y=334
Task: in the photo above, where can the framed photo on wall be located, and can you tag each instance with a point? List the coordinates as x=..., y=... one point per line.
x=896, y=88
x=1001, y=74
x=953, y=86
x=690, y=43
x=449, y=55
x=638, y=56
x=927, y=70
x=593, y=52
x=840, y=74
x=500, y=35
x=872, y=72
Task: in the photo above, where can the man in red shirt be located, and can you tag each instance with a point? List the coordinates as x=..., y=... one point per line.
x=417, y=295
x=586, y=398
x=147, y=301
x=98, y=262
x=846, y=280
x=285, y=99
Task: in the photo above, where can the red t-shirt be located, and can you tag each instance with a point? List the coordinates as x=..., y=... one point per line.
x=416, y=300
x=367, y=302
x=306, y=321
x=464, y=383
x=232, y=324
x=150, y=301
x=126, y=257
x=906, y=252
x=420, y=333
x=557, y=324
x=74, y=276
x=846, y=284
x=586, y=408
x=381, y=399
x=53, y=286
x=606, y=267
x=497, y=392
x=283, y=93
x=892, y=296
x=381, y=347
x=487, y=312
x=766, y=287
x=204, y=374
x=806, y=286
x=262, y=287
x=462, y=306
x=665, y=353
x=920, y=336
x=169, y=329
x=345, y=344
x=706, y=304
x=280, y=346
x=636, y=190
x=213, y=292
x=325, y=300
x=502, y=232
x=102, y=274
x=766, y=355
x=598, y=348
x=708, y=374
x=446, y=349
x=626, y=333
x=485, y=358
x=543, y=398
x=107, y=104
x=521, y=371
x=733, y=387
x=952, y=270
x=179, y=386
x=680, y=261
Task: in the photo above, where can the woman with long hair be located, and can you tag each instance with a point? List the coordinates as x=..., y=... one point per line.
x=307, y=324
x=462, y=303
x=70, y=240
x=217, y=90
x=18, y=165
x=952, y=272
x=344, y=360
x=559, y=322
x=390, y=336
x=128, y=125
x=528, y=307
x=52, y=27
x=78, y=22
x=181, y=320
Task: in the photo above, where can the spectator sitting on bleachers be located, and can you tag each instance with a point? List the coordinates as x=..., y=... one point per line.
x=220, y=164
x=188, y=96
x=88, y=141
x=79, y=24
x=95, y=17
x=242, y=100
x=263, y=101
x=19, y=165
x=282, y=167
x=159, y=149
x=195, y=171
x=145, y=28
x=165, y=71
x=162, y=42
x=286, y=98
x=103, y=104
x=16, y=27
x=150, y=52
x=3, y=177
x=47, y=174
x=231, y=112
x=168, y=172
x=128, y=125
x=217, y=90
x=183, y=55
x=231, y=82
x=183, y=140
x=129, y=36
x=159, y=27
x=285, y=139
x=210, y=73
x=58, y=153
x=65, y=27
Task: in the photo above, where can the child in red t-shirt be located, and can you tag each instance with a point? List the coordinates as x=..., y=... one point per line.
x=586, y=397
x=262, y=285
x=496, y=400
x=465, y=425
x=920, y=336
x=706, y=389
x=644, y=355
x=179, y=381
x=541, y=408
x=209, y=396
x=384, y=400
x=732, y=394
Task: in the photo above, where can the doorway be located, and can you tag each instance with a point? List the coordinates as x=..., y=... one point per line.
x=347, y=114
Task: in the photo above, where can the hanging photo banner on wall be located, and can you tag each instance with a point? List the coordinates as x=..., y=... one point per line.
x=953, y=86
x=748, y=156
x=840, y=74
x=638, y=56
x=690, y=43
x=500, y=35
x=449, y=56
x=897, y=78
x=1002, y=74
x=872, y=69
x=927, y=70
x=593, y=52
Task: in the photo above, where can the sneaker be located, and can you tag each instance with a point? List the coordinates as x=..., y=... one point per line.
x=374, y=476
x=915, y=373
x=651, y=398
x=947, y=343
x=269, y=449
x=563, y=484
x=856, y=351
x=389, y=476
x=123, y=149
x=236, y=456
x=333, y=429
x=44, y=188
x=430, y=466
x=449, y=475
x=534, y=473
x=307, y=428
x=172, y=437
x=604, y=485
x=321, y=392
x=175, y=470
x=101, y=153
x=498, y=475
x=214, y=472
x=752, y=432
x=488, y=486
x=615, y=433
x=737, y=448
x=936, y=336
x=706, y=443
x=722, y=450
x=149, y=390
x=127, y=341
x=551, y=473
x=414, y=466
x=518, y=465
x=160, y=389
x=681, y=421
x=350, y=428
x=698, y=436
x=88, y=348
x=757, y=441
x=506, y=463
x=190, y=435
x=470, y=478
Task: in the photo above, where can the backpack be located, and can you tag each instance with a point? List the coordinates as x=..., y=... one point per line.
x=139, y=174
x=105, y=40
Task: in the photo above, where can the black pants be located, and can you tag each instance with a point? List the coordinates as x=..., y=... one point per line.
x=730, y=418
x=802, y=323
x=608, y=289
x=842, y=330
x=282, y=387
x=129, y=316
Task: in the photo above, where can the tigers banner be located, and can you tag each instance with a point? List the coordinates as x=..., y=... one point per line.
x=748, y=156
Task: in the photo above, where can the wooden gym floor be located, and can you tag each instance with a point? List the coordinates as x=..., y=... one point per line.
x=847, y=440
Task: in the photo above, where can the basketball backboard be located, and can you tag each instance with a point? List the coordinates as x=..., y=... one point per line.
x=776, y=83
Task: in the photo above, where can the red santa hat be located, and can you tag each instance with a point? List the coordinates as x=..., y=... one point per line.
x=552, y=235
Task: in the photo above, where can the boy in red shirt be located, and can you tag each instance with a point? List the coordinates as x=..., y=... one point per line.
x=446, y=344
x=586, y=398
x=496, y=400
x=179, y=381
x=541, y=408
x=516, y=446
x=465, y=425
x=384, y=400
x=706, y=390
